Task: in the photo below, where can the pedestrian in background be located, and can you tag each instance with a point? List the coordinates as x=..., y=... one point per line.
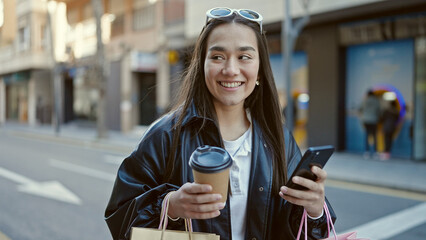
x=370, y=115
x=228, y=99
x=389, y=123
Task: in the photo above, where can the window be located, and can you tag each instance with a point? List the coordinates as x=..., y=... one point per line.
x=174, y=11
x=1, y=13
x=144, y=17
x=23, y=39
x=44, y=35
x=117, y=26
x=88, y=11
x=72, y=16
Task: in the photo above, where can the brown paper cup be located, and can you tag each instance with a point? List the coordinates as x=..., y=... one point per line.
x=219, y=181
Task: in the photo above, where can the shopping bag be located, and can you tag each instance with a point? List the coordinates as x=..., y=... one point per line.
x=330, y=226
x=155, y=234
x=139, y=233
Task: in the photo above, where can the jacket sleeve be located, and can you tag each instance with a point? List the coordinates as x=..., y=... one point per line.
x=138, y=189
x=317, y=229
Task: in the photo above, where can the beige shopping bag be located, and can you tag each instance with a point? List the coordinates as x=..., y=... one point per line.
x=139, y=233
x=154, y=234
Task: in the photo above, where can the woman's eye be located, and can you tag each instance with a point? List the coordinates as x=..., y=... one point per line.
x=245, y=57
x=217, y=57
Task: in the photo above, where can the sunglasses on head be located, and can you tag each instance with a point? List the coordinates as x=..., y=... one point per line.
x=220, y=12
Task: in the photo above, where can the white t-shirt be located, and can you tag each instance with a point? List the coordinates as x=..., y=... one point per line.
x=240, y=151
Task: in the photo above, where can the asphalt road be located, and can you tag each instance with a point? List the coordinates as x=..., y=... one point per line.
x=51, y=190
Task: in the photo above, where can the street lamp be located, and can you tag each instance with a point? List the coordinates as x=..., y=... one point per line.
x=56, y=75
x=289, y=34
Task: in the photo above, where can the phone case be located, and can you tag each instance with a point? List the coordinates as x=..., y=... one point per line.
x=314, y=156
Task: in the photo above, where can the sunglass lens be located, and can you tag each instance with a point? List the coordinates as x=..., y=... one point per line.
x=220, y=12
x=249, y=14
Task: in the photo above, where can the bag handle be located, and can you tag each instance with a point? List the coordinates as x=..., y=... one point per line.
x=164, y=219
x=329, y=221
x=304, y=222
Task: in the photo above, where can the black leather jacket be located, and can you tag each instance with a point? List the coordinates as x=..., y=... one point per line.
x=139, y=188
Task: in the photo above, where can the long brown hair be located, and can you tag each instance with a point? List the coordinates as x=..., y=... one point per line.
x=262, y=102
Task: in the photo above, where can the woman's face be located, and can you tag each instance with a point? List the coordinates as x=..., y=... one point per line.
x=232, y=64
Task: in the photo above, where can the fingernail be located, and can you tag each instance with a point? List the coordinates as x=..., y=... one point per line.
x=295, y=179
x=284, y=189
x=221, y=205
x=218, y=196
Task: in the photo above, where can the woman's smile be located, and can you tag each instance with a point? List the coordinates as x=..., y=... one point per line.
x=230, y=84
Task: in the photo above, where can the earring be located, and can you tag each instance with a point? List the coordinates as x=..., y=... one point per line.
x=257, y=83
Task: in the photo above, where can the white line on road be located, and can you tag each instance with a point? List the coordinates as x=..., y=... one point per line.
x=15, y=177
x=392, y=224
x=82, y=170
x=113, y=159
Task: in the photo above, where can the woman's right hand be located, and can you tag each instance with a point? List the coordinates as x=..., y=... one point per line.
x=195, y=201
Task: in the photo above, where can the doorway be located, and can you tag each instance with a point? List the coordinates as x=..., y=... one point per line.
x=147, y=98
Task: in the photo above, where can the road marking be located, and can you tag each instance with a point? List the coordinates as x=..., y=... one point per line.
x=113, y=159
x=376, y=190
x=82, y=170
x=393, y=224
x=3, y=236
x=51, y=189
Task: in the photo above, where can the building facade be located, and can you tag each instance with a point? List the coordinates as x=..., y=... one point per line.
x=26, y=59
x=142, y=39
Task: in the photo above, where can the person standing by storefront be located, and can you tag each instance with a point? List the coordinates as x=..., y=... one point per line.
x=390, y=121
x=370, y=116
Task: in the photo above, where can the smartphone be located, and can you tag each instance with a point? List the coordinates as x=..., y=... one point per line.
x=314, y=156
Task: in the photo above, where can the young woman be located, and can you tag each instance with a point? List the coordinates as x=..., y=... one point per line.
x=228, y=99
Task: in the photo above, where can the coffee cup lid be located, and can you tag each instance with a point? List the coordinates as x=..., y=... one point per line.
x=209, y=159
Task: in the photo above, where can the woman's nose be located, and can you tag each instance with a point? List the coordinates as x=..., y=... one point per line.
x=231, y=67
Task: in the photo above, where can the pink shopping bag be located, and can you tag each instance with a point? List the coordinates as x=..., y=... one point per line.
x=330, y=226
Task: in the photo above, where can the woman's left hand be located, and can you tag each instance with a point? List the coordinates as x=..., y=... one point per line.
x=311, y=199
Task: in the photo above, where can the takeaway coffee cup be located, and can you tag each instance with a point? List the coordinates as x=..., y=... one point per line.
x=210, y=165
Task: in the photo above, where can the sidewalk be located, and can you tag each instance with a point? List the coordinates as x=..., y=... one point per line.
x=400, y=174
x=403, y=174
x=81, y=134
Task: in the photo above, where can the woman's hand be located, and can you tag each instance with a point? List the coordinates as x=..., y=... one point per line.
x=313, y=198
x=195, y=201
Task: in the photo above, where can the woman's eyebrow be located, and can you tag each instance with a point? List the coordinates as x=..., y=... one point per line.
x=241, y=49
x=217, y=48
x=247, y=48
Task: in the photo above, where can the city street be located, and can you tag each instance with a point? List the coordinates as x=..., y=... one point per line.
x=53, y=190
